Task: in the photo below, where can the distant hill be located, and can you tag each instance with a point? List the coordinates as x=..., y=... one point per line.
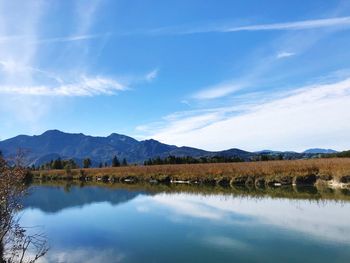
x=319, y=150
x=52, y=144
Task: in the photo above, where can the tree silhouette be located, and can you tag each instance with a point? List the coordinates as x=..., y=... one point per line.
x=115, y=161
x=87, y=163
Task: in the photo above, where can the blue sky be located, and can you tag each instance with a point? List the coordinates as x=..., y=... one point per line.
x=209, y=74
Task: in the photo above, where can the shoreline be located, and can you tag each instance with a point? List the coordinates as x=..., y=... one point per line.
x=332, y=173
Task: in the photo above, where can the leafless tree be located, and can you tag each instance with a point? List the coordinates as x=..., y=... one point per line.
x=16, y=244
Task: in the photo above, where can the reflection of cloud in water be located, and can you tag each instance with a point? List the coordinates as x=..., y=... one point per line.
x=225, y=242
x=322, y=220
x=84, y=255
x=188, y=207
x=142, y=209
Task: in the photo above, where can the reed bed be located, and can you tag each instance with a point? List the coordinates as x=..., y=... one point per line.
x=300, y=172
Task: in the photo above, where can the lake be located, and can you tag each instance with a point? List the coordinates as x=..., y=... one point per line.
x=120, y=224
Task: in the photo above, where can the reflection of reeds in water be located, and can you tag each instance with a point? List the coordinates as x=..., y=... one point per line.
x=317, y=193
x=258, y=174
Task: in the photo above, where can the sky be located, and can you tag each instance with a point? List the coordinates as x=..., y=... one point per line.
x=209, y=74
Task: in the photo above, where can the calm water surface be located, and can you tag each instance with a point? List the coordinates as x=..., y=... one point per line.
x=97, y=224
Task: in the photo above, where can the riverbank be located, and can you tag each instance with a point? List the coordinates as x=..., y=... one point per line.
x=333, y=173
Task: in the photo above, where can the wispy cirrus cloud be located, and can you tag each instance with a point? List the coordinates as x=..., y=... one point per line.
x=298, y=25
x=32, y=40
x=295, y=25
x=46, y=83
x=20, y=73
x=40, y=68
x=306, y=117
x=264, y=61
x=217, y=91
x=83, y=86
x=284, y=54
x=72, y=38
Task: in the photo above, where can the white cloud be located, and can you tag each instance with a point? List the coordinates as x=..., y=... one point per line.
x=180, y=206
x=11, y=66
x=68, y=38
x=266, y=121
x=50, y=84
x=264, y=63
x=32, y=40
x=152, y=75
x=21, y=55
x=296, y=25
x=34, y=74
x=217, y=91
x=84, y=86
x=285, y=54
x=186, y=121
x=312, y=116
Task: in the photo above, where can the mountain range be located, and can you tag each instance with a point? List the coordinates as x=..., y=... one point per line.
x=52, y=144
x=318, y=150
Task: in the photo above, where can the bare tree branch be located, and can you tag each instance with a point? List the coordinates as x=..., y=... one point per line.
x=16, y=244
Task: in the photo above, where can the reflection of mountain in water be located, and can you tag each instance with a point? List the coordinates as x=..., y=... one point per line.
x=52, y=199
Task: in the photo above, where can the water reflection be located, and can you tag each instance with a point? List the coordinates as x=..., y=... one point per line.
x=328, y=221
x=97, y=224
x=55, y=198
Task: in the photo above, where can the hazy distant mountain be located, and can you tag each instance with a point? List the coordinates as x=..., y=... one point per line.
x=318, y=150
x=53, y=144
x=236, y=152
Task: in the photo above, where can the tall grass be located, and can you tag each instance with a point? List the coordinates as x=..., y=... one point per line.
x=285, y=172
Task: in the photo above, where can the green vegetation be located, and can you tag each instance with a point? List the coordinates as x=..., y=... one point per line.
x=58, y=164
x=87, y=163
x=210, y=159
x=115, y=162
x=344, y=154
x=70, y=164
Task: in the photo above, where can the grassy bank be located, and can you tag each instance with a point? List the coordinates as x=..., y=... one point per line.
x=334, y=171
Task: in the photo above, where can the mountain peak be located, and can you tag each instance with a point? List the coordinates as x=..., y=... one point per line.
x=121, y=138
x=117, y=135
x=52, y=132
x=114, y=134
x=55, y=132
x=150, y=141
